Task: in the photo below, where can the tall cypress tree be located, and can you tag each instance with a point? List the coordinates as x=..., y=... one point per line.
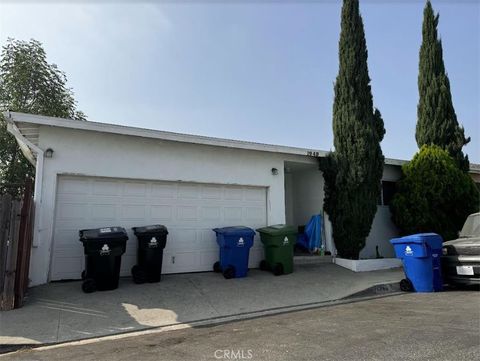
x=354, y=170
x=437, y=122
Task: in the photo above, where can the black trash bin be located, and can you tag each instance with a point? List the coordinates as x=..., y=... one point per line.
x=151, y=242
x=103, y=248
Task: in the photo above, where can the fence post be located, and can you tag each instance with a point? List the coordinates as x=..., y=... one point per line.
x=5, y=206
x=24, y=244
x=8, y=296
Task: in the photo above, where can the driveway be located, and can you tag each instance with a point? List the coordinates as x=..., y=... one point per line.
x=434, y=326
x=60, y=312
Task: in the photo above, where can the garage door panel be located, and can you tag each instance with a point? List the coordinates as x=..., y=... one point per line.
x=185, y=191
x=161, y=212
x=128, y=261
x=106, y=188
x=182, y=239
x=134, y=189
x=133, y=212
x=164, y=190
x=233, y=193
x=212, y=192
x=211, y=213
x=254, y=194
x=72, y=211
x=103, y=212
x=253, y=214
x=189, y=211
x=74, y=186
x=233, y=214
x=180, y=262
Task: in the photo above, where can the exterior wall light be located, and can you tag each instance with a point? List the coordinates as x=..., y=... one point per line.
x=274, y=171
x=49, y=153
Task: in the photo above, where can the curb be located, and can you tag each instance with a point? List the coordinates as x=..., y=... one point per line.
x=374, y=292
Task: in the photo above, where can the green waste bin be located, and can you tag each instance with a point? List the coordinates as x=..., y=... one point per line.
x=278, y=242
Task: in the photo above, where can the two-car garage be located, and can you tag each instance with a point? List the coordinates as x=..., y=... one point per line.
x=96, y=175
x=189, y=211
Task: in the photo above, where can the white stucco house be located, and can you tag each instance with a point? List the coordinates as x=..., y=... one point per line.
x=91, y=175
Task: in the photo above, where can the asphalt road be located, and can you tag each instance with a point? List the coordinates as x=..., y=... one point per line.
x=441, y=326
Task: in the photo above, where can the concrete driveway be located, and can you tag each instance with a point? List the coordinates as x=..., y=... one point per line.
x=411, y=326
x=60, y=312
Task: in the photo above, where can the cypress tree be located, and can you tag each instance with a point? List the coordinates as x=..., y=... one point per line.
x=436, y=119
x=354, y=170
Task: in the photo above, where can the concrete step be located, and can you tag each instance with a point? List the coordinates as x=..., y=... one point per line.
x=311, y=259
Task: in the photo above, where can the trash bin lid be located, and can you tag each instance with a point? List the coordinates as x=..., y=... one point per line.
x=278, y=229
x=153, y=229
x=102, y=233
x=235, y=231
x=432, y=239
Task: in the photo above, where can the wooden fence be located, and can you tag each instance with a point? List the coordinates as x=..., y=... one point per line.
x=16, y=226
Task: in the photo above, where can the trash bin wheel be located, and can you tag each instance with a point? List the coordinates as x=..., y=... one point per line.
x=278, y=269
x=229, y=272
x=139, y=275
x=84, y=274
x=216, y=267
x=406, y=285
x=89, y=285
x=263, y=265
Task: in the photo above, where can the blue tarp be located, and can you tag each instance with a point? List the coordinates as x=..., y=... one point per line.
x=311, y=239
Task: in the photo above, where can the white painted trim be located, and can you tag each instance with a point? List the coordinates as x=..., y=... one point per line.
x=37, y=194
x=177, y=137
x=155, y=134
x=365, y=265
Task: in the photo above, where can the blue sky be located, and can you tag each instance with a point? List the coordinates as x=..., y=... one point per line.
x=258, y=71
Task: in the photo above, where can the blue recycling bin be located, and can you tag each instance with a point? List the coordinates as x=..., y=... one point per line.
x=235, y=244
x=420, y=254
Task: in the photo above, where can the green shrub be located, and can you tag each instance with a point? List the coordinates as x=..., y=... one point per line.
x=434, y=195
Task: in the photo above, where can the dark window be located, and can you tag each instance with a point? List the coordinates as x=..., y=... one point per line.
x=388, y=191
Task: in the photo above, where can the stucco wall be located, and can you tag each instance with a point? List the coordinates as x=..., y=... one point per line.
x=108, y=155
x=382, y=231
x=289, y=199
x=307, y=194
x=383, y=228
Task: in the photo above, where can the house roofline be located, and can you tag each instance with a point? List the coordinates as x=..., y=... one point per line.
x=156, y=134
x=179, y=137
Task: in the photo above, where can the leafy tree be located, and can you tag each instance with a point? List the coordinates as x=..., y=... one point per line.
x=437, y=122
x=434, y=195
x=28, y=84
x=354, y=170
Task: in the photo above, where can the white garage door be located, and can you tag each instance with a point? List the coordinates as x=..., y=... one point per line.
x=188, y=210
